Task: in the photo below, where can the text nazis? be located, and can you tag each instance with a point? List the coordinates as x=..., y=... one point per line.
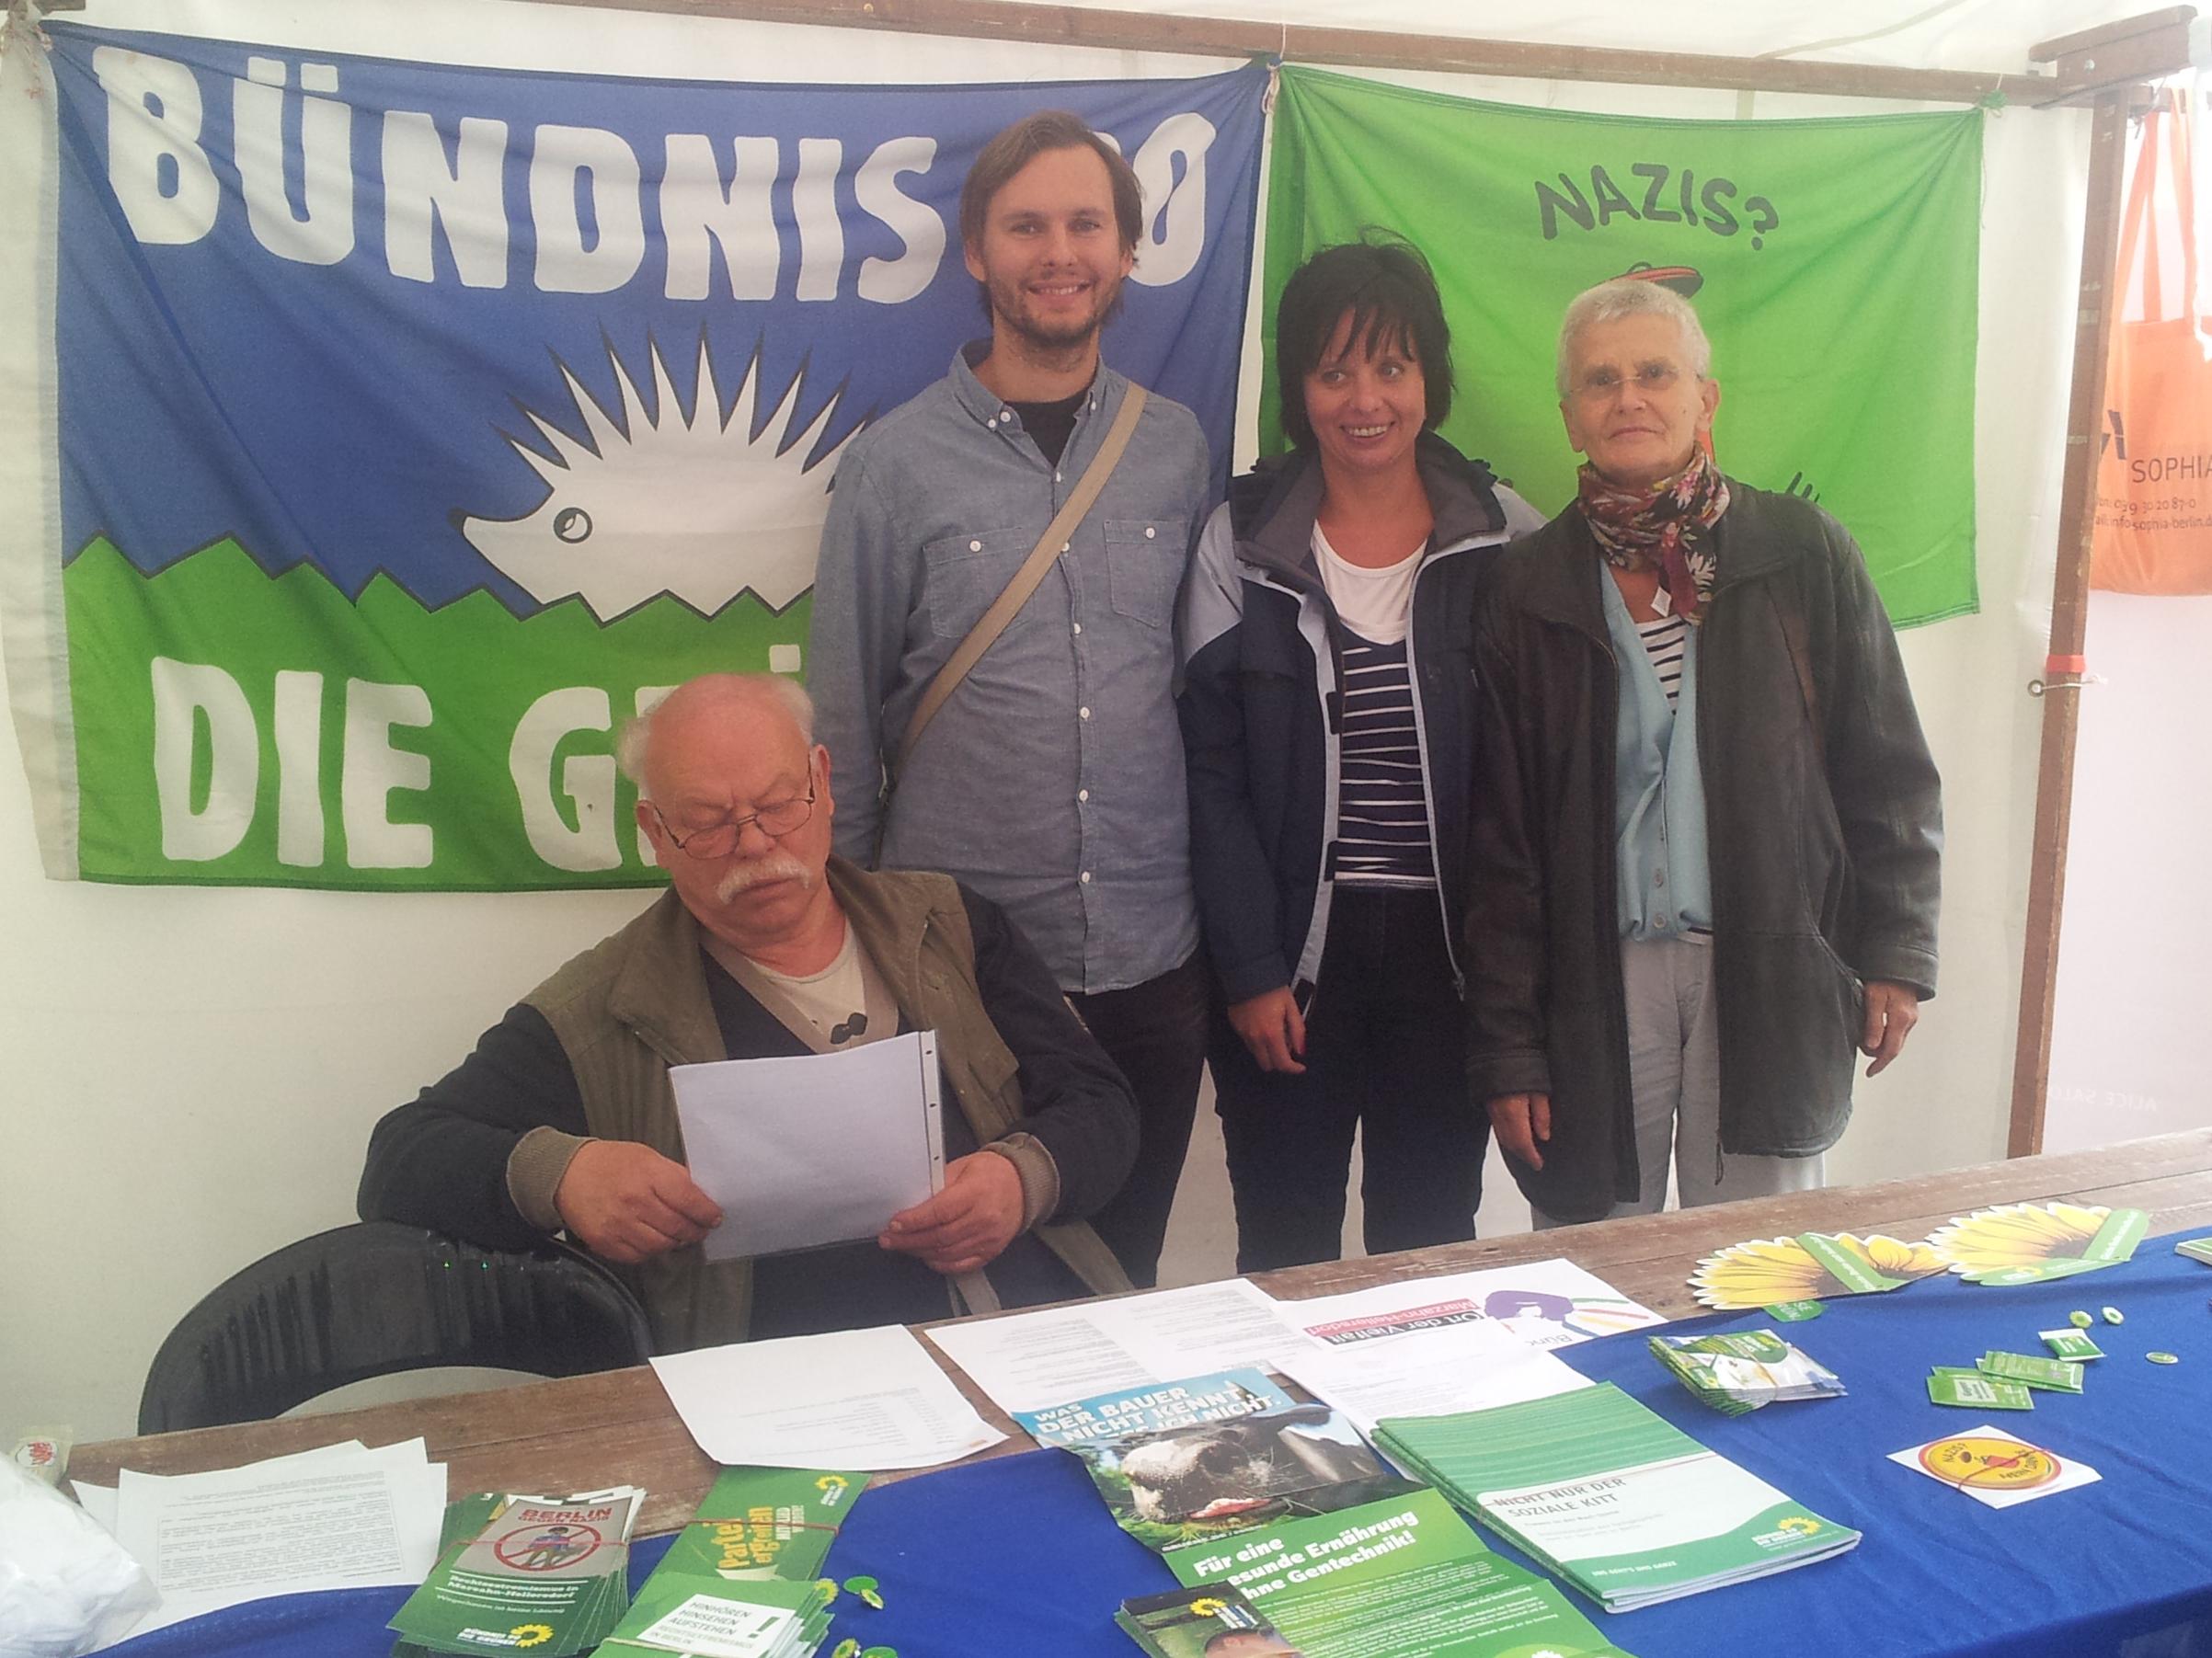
x=1669, y=196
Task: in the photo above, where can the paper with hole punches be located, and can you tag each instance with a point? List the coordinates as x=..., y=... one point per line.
x=813, y=1148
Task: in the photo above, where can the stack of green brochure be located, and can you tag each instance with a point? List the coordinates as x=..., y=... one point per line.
x=1618, y=1502
x=1736, y=1371
x=1183, y=1623
x=739, y=1581
x=547, y=1574
x=1402, y=1578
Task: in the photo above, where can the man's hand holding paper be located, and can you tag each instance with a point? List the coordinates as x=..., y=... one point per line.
x=964, y=1228
x=628, y=1203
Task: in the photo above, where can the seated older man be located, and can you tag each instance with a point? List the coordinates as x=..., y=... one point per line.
x=563, y=1119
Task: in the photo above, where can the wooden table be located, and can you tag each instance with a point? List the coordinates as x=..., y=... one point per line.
x=593, y=1431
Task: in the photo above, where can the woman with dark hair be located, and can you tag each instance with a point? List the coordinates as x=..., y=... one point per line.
x=1328, y=724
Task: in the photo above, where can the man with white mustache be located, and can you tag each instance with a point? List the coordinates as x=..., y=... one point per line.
x=1050, y=777
x=563, y=1119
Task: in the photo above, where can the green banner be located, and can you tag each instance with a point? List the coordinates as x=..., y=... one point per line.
x=1833, y=262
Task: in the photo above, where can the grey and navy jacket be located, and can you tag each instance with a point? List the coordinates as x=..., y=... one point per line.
x=1261, y=708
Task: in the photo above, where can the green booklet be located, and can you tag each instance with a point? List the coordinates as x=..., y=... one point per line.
x=740, y=1579
x=1613, y=1498
x=765, y=1522
x=1402, y=1578
x=1191, y=1463
x=549, y=1574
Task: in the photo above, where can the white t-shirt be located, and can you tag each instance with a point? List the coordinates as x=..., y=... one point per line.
x=1376, y=604
x=831, y=1000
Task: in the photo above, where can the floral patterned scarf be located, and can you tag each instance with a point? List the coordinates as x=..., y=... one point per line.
x=1662, y=526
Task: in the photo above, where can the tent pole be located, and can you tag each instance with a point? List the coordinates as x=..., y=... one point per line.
x=2060, y=686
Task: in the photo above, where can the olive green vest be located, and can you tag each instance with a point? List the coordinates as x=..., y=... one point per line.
x=636, y=1003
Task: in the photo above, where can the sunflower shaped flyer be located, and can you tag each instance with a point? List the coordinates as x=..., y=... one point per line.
x=2032, y=1242
x=1810, y=1267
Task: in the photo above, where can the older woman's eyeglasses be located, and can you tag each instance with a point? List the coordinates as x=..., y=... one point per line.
x=777, y=819
x=1599, y=385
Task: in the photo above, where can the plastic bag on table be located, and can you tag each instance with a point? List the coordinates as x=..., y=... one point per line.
x=67, y=1587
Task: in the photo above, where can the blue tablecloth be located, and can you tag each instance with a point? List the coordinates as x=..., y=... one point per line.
x=1017, y=1557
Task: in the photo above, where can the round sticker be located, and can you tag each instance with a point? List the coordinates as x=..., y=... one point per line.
x=1989, y=1463
x=2113, y=1315
x=2079, y=1320
x=2163, y=1358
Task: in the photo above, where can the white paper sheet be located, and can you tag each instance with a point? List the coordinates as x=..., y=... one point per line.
x=336, y=1517
x=99, y=1500
x=859, y=1399
x=813, y=1148
x=1546, y=1303
x=1032, y=1361
x=1434, y=1372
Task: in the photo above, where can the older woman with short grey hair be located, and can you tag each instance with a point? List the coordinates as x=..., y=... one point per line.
x=1706, y=867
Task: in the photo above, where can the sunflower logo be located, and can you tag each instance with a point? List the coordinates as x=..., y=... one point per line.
x=2017, y=1234
x=1765, y=1271
x=1798, y=1524
x=530, y=1634
x=1205, y=1606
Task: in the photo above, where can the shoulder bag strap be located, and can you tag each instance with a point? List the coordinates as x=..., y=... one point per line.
x=1041, y=558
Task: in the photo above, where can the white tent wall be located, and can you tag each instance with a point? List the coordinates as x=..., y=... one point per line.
x=191, y=1074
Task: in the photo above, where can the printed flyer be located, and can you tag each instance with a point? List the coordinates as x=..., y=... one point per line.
x=1186, y=1464
x=545, y=1573
x=1402, y=1578
x=1615, y=1499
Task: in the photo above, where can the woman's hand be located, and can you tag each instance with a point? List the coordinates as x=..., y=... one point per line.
x=1273, y=1029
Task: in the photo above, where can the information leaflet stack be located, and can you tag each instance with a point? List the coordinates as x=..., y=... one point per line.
x=741, y=1579
x=1617, y=1500
x=547, y=1574
x=1742, y=1370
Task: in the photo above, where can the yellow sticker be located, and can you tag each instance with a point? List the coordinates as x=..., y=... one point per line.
x=1989, y=1463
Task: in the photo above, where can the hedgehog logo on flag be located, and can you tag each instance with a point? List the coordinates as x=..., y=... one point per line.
x=694, y=504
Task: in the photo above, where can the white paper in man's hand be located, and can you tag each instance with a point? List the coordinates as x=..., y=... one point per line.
x=812, y=1149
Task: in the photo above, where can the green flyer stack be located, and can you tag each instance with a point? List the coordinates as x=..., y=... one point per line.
x=1617, y=1500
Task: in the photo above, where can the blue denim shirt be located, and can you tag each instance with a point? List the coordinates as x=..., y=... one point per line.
x=1052, y=779
x=1660, y=850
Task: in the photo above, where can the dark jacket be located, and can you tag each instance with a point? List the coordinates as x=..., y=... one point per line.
x=1260, y=707
x=1823, y=818
x=587, y=1053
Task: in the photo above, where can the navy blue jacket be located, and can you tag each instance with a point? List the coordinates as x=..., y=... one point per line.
x=1261, y=646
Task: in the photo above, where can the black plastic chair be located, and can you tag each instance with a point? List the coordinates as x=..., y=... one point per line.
x=377, y=1298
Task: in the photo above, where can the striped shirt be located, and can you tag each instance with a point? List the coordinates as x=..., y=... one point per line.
x=1663, y=642
x=1382, y=800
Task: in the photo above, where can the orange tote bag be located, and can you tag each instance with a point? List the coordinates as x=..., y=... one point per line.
x=2154, y=480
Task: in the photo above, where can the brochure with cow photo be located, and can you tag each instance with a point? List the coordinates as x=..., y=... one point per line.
x=1188, y=1463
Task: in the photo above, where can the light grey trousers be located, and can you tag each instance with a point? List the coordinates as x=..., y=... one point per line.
x=1674, y=1059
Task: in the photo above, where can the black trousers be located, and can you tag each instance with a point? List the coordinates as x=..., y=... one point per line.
x=1155, y=1032
x=1386, y=1053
